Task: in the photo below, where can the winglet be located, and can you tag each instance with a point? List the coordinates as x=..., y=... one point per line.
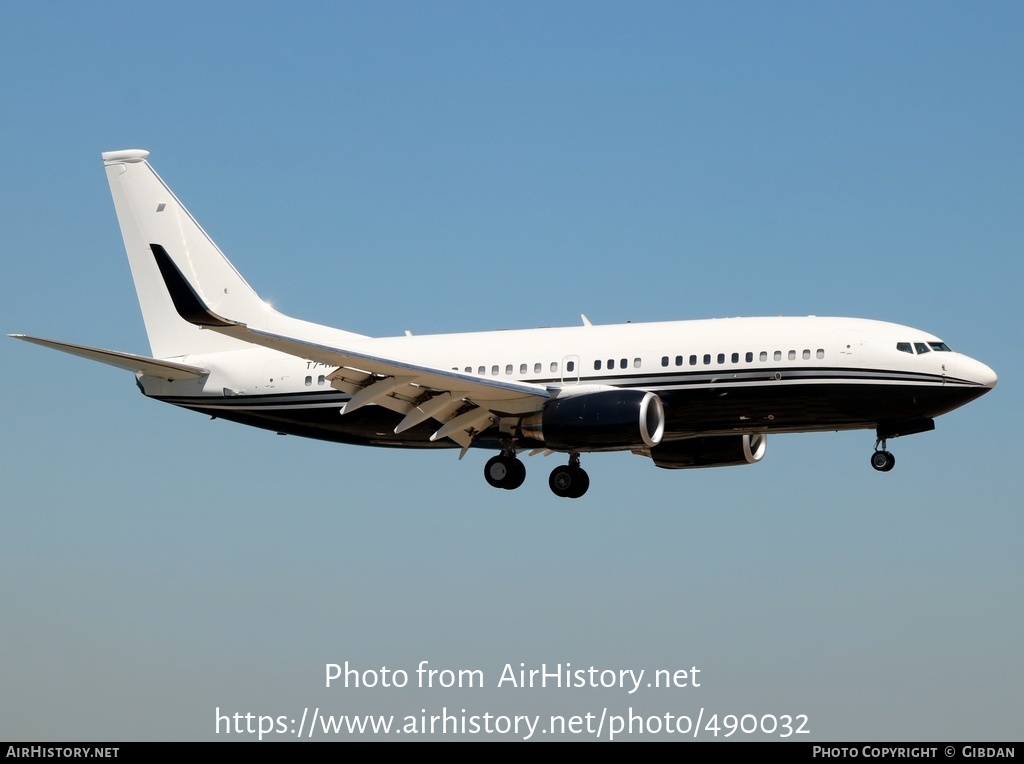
x=187, y=301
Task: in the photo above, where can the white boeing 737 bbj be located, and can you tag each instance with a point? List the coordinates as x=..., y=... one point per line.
x=684, y=393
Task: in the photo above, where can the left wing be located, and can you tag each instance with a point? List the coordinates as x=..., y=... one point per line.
x=464, y=404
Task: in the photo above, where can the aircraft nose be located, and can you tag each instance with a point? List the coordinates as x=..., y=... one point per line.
x=977, y=372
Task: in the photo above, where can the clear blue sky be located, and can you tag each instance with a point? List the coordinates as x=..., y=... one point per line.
x=460, y=166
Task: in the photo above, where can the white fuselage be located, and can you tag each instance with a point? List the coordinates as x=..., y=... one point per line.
x=785, y=359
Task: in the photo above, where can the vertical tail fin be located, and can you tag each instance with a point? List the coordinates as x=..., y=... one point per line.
x=150, y=215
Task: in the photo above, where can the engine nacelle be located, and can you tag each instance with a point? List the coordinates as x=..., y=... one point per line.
x=599, y=421
x=710, y=451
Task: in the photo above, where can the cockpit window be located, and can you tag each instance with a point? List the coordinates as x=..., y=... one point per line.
x=922, y=347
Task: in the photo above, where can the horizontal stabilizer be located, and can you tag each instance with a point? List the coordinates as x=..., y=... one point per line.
x=152, y=367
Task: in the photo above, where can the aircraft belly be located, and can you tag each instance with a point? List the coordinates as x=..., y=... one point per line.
x=804, y=408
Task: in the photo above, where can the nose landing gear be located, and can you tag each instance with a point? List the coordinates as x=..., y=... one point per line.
x=881, y=459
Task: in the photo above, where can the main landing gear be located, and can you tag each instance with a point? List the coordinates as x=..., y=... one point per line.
x=570, y=481
x=881, y=459
x=506, y=471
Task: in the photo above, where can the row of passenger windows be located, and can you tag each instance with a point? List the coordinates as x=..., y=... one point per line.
x=922, y=347
x=748, y=357
x=679, y=360
x=624, y=363
x=538, y=368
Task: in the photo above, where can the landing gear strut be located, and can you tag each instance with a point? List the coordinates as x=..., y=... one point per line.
x=505, y=471
x=570, y=481
x=881, y=459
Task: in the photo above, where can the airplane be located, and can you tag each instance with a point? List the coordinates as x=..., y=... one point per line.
x=685, y=394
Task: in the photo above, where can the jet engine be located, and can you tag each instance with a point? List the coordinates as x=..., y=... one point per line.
x=709, y=451
x=603, y=420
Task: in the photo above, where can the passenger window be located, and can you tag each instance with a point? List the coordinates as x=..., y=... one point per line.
x=707, y=359
x=611, y=363
x=721, y=357
x=597, y=366
x=522, y=368
x=763, y=356
x=622, y=364
x=481, y=370
x=735, y=357
x=693, y=360
x=820, y=353
x=792, y=355
x=554, y=366
x=309, y=381
x=679, y=360
x=807, y=354
x=664, y=360
x=494, y=370
x=778, y=355
x=570, y=366
x=320, y=380
x=636, y=363
x=749, y=357
x=537, y=368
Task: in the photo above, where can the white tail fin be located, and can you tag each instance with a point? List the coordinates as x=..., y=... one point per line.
x=152, y=219
x=149, y=213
